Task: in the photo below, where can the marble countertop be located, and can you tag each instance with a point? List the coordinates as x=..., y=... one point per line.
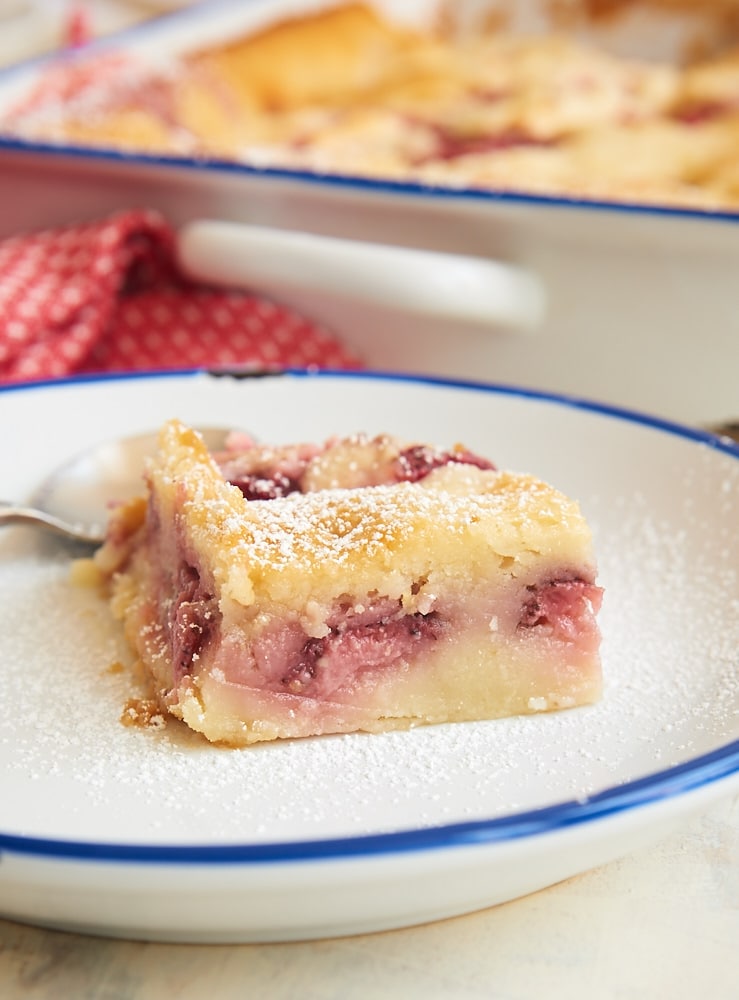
x=657, y=924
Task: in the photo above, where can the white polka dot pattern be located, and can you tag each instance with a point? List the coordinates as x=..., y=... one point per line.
x=106, y=296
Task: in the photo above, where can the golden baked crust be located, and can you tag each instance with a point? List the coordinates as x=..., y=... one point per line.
x=330, y=56
x=290, y=550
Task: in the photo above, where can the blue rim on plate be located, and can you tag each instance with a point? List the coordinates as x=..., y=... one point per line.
x=681, y=779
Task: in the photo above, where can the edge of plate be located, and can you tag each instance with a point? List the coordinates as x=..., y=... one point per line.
x=715, y=441
x=664, y=785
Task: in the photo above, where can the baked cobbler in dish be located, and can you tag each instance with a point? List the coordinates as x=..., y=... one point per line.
x=346, y=91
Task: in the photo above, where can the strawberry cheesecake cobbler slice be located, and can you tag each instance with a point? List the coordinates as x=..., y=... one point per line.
x=363, y=584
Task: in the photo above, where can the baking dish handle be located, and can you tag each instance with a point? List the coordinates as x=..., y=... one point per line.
x=284, y=264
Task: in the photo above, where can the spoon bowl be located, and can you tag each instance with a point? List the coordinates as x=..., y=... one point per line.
x=74, y=500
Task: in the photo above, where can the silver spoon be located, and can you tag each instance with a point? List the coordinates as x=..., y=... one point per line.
x=74, y=500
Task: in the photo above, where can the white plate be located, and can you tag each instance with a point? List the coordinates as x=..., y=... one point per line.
x=154, y=834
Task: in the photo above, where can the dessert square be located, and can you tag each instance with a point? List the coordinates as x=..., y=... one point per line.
x=363, y=584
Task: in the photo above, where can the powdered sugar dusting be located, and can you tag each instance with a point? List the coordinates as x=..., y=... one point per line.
x=295, y=531
x=301, y=531
x=69, y=768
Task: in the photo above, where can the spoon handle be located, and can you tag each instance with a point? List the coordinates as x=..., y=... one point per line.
x=11, y=513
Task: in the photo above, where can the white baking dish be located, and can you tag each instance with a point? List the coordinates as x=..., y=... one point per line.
x=633, y=305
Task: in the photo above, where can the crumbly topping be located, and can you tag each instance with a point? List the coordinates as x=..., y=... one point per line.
x=459, y=519
x=145, y=713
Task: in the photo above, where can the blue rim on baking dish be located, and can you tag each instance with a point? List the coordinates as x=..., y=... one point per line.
x=366, y=185
x=408, y=188
x=661, y=786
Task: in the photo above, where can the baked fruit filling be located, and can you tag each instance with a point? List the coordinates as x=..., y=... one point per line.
x=361, y=584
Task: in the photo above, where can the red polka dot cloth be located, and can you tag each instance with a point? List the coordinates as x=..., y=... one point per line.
x=107, y=297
